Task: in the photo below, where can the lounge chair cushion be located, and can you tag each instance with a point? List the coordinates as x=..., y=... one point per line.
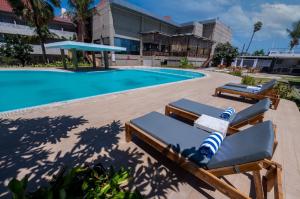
x=243, y=88
x=238, y=89
x=256, y=109
x=250, y=145
x=198, y=108
x=237, y=85
x=268, y=85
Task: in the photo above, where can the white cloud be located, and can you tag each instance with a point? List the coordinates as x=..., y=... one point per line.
x=275, y=18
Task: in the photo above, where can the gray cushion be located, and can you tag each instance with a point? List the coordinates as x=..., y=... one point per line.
x=268, y=85
x=252, y=144
x=249, y=145
x=198, y=108
x=258, y=108
x=243, y=88
x=237, y=88
x=237, y=85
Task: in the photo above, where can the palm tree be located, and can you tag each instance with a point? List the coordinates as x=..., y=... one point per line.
x=80, y=12
x=37, y=13
x=257, y=27
x=294, y=34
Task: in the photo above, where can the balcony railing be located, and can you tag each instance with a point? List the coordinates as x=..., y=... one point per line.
x=10, y=28
x=284, y=52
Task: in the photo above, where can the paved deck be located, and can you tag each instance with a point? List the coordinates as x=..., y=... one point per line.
x=39, y=141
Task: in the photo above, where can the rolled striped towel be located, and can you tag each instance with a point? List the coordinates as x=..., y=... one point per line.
x=210, y=146
x=254, y=88
x=226, y=115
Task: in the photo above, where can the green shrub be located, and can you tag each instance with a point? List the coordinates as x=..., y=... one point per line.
x=79, y=182
x=236, y=73
x=184, y=63
x=248, y=80
x=284, y=90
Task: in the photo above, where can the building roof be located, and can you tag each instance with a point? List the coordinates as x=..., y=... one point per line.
x=5, y=7
x=83, y=46
x=135, y=8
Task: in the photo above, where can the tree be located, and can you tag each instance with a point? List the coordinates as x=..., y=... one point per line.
x=256, y=28
x=225, y=51
x=80, y=12
x=260, y=52
x=294, y=34
x=16, y=46
x=37, y=13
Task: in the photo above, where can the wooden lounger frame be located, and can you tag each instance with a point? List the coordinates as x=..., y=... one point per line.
x=264, y=184
x=169, y=110
x=271, y=94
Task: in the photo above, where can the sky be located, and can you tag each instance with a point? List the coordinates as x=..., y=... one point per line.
x=239, y=15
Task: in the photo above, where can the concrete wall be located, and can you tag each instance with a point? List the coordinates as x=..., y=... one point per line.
x=130, y=24
x=222, y=33
x=198, y=29
x=103, y=23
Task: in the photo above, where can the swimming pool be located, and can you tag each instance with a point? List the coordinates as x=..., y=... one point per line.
x=23, y=89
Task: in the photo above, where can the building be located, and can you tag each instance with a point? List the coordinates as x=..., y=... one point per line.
x=153, y=40
x=282, y=61
x=61, y=26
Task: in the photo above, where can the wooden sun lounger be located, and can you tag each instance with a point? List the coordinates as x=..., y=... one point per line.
x=263, y=184
x=171, y=110
x=271, y=94
x=191, y=111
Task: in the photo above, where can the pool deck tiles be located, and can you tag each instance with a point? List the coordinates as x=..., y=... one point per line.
x=39, y=141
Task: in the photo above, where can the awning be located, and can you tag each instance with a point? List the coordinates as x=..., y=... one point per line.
x=83, y=46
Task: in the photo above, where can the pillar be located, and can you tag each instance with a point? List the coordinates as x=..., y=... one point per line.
x=242, y=62
x=94, y=59
x=63, y=59
x=255, y=63
x=74, y=58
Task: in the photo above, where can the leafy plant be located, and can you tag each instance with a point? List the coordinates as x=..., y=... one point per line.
x=16, y=47
x=37, y=13
x=248, y=80
x=184, y=63
x=224, y=51
x=284, y=90
x=260, y=52
x=237, y=73
x=294, y=34
x=80, y=182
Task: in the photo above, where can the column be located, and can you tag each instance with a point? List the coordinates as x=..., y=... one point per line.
x=62, y=53
x=242, y=62
x=74, y=58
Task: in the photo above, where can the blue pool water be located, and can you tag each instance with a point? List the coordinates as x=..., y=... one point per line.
x=22, y=89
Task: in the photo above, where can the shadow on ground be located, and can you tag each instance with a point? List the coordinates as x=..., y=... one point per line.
x=22, y=147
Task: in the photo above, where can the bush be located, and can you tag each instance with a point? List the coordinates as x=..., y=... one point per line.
x=184, y=63
x=224, y=51
x=236, y=73
x=248, y=80
x=284, y=90
x=79, y=182
x=16, y=47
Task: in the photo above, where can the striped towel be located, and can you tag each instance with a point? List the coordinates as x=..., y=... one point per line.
x=226, y=115
x=210, y=146
x=254, y=88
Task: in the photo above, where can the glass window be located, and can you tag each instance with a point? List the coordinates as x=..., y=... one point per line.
x=132, y=46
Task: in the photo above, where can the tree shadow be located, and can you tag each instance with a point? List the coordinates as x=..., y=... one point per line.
x=22, y=144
